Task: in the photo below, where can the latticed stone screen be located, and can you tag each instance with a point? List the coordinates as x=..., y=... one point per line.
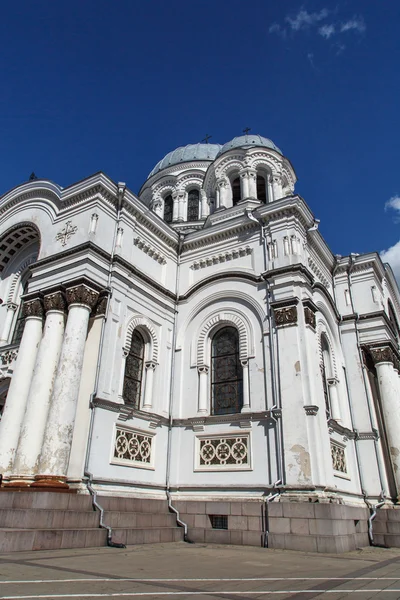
x=228, y=452
x=133, y=448
x=338, y=458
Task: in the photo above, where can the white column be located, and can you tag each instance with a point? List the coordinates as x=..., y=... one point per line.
x=14, y=409
x=252, y=183
x=182, y=210
x=60, y=424
x=223, y=193
x=244, y=184
x=150, y=367
x=334, y=398
x=157, y=207
x=11, y=308
x=276, y=186
x=34, y=423
x=205, y=208
x=246, y=386
x=203, y=406
x=388, y=389
x=175, y=208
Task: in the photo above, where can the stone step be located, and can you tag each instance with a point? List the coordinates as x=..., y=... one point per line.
x=147, y=536
x=136, y=519
x=45, y=500
x=148, y=505
x=23, y=540
x=39, y=518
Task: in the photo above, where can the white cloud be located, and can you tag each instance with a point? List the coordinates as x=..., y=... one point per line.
x=304, y=19
x=326, y=31
x=393, y=202
x=354, y=24
x=276, y=28
x=392, y=256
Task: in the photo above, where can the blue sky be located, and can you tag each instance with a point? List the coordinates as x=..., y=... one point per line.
x=115, y=85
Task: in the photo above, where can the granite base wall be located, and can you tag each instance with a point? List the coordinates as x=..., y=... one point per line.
x=311, y=527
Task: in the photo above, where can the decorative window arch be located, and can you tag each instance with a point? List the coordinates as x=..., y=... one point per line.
x=193, y=205
x=134, y=368
x=326, y=371
x=148, y=332
x=168, y=208
x=216, y=321
x=226, y=372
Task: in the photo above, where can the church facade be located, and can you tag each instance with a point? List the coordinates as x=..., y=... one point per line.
x=197, y=340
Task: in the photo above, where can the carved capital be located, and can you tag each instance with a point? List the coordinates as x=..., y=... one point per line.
x=33, y=308
x=244, y=362
x=203, y=369
x=384, y=354
x=101, y=306
x=222, y=183
x=311, y=410
x=55, y=301
x=150, y=365
x=11, y=306
x=309, y=317
x=332, y=381
x=82, y=294
x=8, y=356
x=125, y=352
x=285, y=316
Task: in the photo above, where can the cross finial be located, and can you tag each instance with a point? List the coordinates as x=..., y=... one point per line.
x=207, y=137
x=246, y=130
x=32, y=176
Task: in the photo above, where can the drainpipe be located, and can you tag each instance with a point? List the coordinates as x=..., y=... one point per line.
x=171, y=399
x=87, y=474
x=267, y=500
x=374, y=510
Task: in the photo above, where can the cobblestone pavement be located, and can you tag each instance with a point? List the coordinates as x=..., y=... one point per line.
x=199, y=571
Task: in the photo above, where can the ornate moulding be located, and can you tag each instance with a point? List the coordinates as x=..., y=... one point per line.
x=221, y=258
x=150, y=250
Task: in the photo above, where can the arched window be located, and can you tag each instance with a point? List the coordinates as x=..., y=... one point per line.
x=193, y=205
x=326, y=372
x=226, y=372
x=393, y=319
x=261, y=189
x=236, y=195
x=168, y=208
x=134, y=371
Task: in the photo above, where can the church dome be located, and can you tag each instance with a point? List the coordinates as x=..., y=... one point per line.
x=246, y=141
x=186, y=154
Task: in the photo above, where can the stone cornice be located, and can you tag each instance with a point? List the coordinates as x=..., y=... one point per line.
x=296, y=268
x=71, y=251
x=318, y=286
x=127, y=412
x=118, y=260
x=219, y=277
x=341, y=430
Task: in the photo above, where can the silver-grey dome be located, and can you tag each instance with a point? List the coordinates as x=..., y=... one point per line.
x=187, y=154
x=244, y=141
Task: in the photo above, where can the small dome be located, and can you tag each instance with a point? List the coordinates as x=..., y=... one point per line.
x=245, y=141
x=186, y=154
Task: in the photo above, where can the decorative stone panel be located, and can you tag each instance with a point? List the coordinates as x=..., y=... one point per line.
x=285, y=316
x=133, y=448
x=338, y=454
x=229, y=452
x=65, y=233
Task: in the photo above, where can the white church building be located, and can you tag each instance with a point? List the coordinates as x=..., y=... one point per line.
x=198, y=342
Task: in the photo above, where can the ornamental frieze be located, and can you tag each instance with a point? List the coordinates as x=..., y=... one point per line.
x=384, y=354
x=82, y=294
x=33, y=308
x=55, y=301
x=8, y=356
x=285, y=316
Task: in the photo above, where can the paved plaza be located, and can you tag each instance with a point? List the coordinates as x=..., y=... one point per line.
x=204, y=572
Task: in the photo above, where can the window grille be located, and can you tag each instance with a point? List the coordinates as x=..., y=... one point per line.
x=219, y=521
x=193, y=205
x=168, y=209
x=227, y=372
x=134, y=371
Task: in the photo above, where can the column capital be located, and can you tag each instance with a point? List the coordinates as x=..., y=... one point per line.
x=102, y=302
x=203, y=369
x=244, y=362
x=286, y=315
x=150, y=365
x=332, y=381
x=383, y=354
x=33, y=307
x=11, y=306
x=222, y=182
x=82, y=294
x=55, y=301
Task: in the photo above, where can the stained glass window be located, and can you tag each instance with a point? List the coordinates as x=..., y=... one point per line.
x=193, y=205
x=168, y=209
x=261, y=189
x=134, y=371
x=226, y=380
x=236, y=196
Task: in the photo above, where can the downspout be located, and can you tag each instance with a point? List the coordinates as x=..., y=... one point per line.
x=363, y=368
x=87, y=474
x=171, y=399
